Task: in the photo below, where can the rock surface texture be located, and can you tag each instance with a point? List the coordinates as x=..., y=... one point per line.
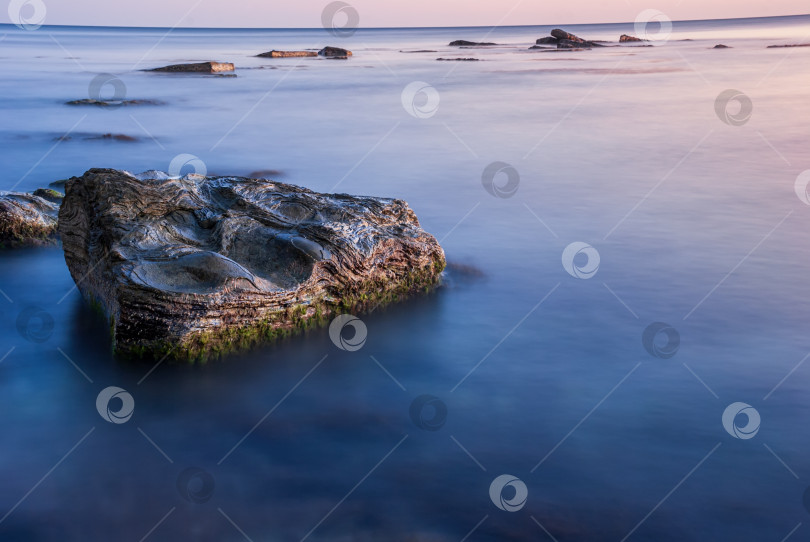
x=200, y=67
x=287, y=54
x=195, y=267
x=28, y=219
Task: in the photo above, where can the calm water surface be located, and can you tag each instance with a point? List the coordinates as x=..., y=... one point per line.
x=544, y=375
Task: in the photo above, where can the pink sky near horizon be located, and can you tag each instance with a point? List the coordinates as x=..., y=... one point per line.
x=377, y=13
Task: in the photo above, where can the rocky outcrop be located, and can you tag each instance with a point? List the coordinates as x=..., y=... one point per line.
x=194, y=267
x=791, y=45
x=549, y=40
x=287, y=54
x=28, y=219
x=465, y=43
x=200, y=67
x=625, y=38
x=334, y=52
x=721, y=46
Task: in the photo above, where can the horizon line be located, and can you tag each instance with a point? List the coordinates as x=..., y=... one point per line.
x=173, y=28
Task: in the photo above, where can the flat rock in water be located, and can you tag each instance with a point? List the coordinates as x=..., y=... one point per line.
x=721, y=46
x=287, y=54
x=465, y=43
x=549, y=40
x=113, y=103
x=335, y=52
x=197, y=266
x=791, y=45
x=459, y=59
x=28, y=219
x=624, y=38
x=199, y=67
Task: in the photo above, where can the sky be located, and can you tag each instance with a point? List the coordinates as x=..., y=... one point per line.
x=385, y=13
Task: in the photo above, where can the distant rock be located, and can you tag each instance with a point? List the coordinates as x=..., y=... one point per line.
x=192, y=268
x=550, y=40
x=459, y=59
x=267, y=174
x=334, y=52
x=420, y=51
x=465, y=43
x=721, y=46
x=49, y=194
x=792, y=45
x=563, y=35
x=113, y=137
x=27, y=220
x=566, y=40
x=287, y=54
x=541, y=47
x=200, y=67
x=113, y=103
x=624, y=38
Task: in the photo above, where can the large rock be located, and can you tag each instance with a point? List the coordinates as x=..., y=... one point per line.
x=334, y=52
x=199, y=67
x=563, y=35
x=28, y=219
x=287, y=54
x=196, y=266
x=566, y=40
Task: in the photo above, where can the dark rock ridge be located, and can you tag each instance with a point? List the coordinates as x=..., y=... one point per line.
x=200, y=67
x=465, y=43
x=549, y=40
x=287, y=54
x=113, y=103
x=721, y=46
x=459, y=59
x=28, y=219
x=566, y=40
x=624, y=38
x=334, y=52
x=194, y=267
x=792, y=45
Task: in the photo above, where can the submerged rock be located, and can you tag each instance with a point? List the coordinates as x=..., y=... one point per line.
x=568, y=44
x=549, y=40
x=465, y=43
x=200, y=67
x=334, y=52
x=27, y=219
x=470, y=59
x=287, y=54
x=194, y=267
x=624, y=38
x=721, y=46
x=113, y=103
x=790, y=45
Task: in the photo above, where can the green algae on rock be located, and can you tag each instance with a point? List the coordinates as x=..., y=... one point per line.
x=197, y=266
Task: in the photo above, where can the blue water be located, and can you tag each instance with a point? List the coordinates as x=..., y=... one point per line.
x=544, y=376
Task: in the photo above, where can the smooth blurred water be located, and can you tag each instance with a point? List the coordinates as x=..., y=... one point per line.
x=696, y=222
